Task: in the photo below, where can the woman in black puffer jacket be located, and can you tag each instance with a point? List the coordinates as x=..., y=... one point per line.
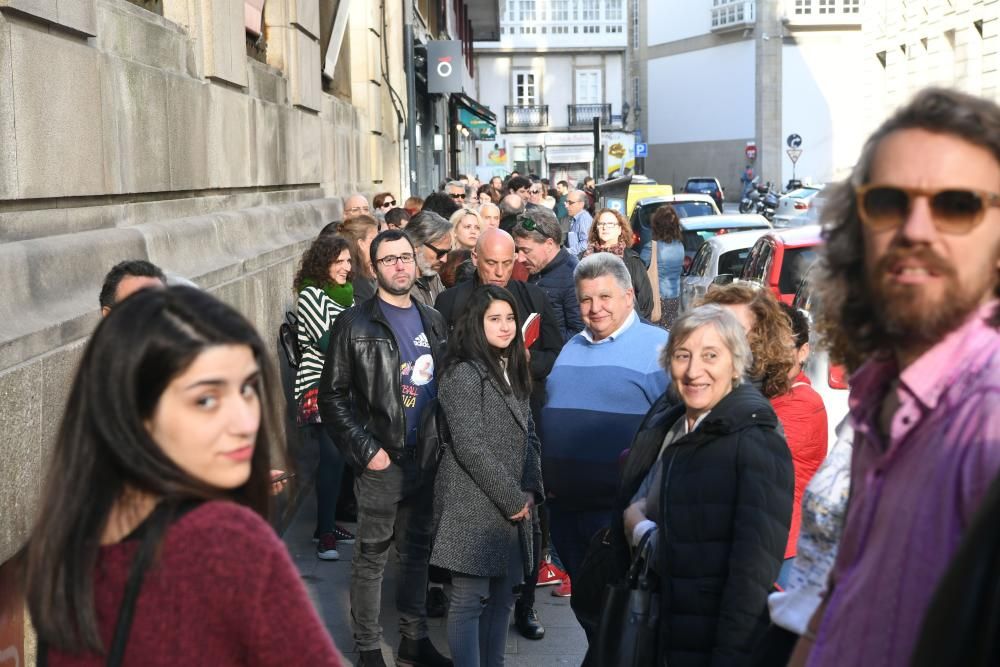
x=713, y=479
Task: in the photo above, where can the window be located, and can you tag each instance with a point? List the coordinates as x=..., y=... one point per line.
x=803, y=6
x=614, y=10
x=560, y=10
x=588, y=86
x=827, y=6
x=524, y=89
x=527, y=159
x=852, y=6
x=591, y=10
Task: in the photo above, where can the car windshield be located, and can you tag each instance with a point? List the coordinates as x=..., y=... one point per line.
x=692, y=209
x=700, y=186
x=794, y=266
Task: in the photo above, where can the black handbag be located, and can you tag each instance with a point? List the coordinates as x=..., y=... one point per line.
x=627, y=636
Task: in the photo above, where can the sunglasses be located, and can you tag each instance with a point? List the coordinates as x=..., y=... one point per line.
x=954, y=210
x=388, y=204
x=438, y=252
x=458, y=196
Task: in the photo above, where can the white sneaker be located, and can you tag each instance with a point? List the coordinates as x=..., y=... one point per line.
x=327, y=547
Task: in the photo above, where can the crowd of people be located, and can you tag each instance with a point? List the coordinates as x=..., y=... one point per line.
x=516, y=400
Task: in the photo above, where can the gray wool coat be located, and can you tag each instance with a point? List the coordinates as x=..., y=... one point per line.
x=493, y=459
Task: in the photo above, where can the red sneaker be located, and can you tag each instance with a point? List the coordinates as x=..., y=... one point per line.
x=559, y=572
x=549, y=574
x=563, y=590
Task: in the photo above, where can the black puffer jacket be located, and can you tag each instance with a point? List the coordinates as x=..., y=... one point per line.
x=556, y=280
x=360, y=400
x=726, y=503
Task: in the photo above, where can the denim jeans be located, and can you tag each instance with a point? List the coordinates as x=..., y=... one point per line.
x=395, y=501
x=571, y=531
x=329, y=472
x=479, y=613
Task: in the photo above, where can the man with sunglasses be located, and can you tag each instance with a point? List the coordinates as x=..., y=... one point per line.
x=456, y=190
x=580, y=223
x=537, y=235
x=432, y=237
x=909, y=288
x=378, y=377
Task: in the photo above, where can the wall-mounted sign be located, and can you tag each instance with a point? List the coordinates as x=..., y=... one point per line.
x=444, y=66
x=751, y=151
x=478, y=128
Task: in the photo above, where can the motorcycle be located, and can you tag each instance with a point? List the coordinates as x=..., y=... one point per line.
x=769, y=204
x=748, y=203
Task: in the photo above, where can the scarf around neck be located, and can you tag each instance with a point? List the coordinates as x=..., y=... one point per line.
x=342, y=295
x=617, y=249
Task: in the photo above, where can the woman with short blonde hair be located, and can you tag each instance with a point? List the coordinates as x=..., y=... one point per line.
x=466, y=226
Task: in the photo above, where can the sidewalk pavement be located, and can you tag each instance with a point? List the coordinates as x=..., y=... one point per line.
x=328, y=583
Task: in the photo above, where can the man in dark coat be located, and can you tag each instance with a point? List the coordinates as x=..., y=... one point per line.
x=494, y=257
x=538, y=236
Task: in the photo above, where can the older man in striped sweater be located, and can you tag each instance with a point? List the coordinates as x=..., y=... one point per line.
x=603, y=383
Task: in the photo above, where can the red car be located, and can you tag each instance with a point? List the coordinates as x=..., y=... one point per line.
x=781, y=258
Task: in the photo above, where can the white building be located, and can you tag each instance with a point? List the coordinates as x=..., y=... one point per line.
x=714, y=77
x=557, y=65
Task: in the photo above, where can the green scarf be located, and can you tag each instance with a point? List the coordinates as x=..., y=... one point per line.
x=341, y=294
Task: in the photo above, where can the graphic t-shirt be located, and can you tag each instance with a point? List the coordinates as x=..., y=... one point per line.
x=416, y=365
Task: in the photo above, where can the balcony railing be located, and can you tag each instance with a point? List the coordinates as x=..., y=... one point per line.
x=525, y=117
x=584, y=114
x=733, y=14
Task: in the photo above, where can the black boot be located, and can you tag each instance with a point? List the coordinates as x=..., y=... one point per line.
x=420, y=653
x=527, y=623
x=371, y=658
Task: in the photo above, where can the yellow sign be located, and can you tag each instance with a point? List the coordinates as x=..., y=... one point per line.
x=617, y=150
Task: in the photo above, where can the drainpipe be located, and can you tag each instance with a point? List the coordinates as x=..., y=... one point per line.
x=411, y=104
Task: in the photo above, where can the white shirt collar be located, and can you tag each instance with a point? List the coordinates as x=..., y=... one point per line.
x=629, y=321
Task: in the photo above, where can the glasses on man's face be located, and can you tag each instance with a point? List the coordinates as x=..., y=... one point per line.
x=953, y=210
x=388, y=204
x=358, y=209
x=535, y=192
x=570, y=202
x=390, y=260
x=438, y=252
x=457, y=195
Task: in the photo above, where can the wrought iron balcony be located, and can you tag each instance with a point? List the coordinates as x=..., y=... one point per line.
x=526, y=117
x=584, y=114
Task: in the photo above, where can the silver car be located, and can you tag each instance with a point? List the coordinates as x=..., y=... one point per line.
x=793, y=207
x=719, y=255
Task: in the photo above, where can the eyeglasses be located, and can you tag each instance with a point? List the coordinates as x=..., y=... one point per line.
x=535, y=192
x=954, y=210
x=528, y=223
x=438, y=252
x=460, y=195
x=607, y=225
x=358, y=209
x=390, y=260
x=570, y=202
x=388, y=204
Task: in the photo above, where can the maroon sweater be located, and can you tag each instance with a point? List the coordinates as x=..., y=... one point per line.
x=223, y=592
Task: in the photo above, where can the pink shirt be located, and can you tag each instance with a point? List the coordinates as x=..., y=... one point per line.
x=913, y=496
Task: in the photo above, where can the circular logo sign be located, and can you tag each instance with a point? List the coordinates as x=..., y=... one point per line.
x=794, y=141
x=444, y=68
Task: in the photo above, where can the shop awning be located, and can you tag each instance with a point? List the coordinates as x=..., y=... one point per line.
x=479, y=120
x=569, y=154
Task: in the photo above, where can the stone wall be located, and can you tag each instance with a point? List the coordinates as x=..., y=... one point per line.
x=124, y=134
x=673, y=164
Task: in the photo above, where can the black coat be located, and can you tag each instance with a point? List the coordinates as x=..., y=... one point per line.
x=640, y=283
x=529, y=299
x=556, y=280
x=360, y=400
x=726, y=503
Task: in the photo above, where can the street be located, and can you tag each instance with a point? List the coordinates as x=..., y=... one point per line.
x=328, y=583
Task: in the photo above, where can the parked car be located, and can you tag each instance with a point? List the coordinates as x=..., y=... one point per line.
x=829, y=380
x=687, y=206
x=793, y=207
x=622, y=194
x=706, y=185
x=695, y=231
x=779, y=260
x=723, y=254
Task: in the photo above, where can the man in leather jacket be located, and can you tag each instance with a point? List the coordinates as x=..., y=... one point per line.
x=378, y=376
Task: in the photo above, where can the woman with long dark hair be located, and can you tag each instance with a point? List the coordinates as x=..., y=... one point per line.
x=324, y=290
x=152, y=545
x=612, y=233
x=490, y=476
x=666, y=262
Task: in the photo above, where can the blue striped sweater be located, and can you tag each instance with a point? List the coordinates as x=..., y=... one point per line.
x=598, y=394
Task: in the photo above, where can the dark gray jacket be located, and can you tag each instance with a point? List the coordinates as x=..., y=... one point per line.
x=494, y=458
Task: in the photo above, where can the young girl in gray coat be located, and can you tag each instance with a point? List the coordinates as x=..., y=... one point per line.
x=490, y=476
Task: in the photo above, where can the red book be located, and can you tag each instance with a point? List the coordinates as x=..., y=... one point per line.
x=532, y=329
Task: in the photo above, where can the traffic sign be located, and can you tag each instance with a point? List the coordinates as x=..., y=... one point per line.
x=641, y=150
x=794, y=141
x=793, y=154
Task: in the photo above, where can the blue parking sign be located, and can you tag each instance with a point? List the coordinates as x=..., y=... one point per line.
x=641, y=150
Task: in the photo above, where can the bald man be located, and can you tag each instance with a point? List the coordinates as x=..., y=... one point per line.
x=355, y=205
x=494, y=257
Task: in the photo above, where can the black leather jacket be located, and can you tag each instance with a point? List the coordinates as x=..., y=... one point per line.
x=360, y=398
